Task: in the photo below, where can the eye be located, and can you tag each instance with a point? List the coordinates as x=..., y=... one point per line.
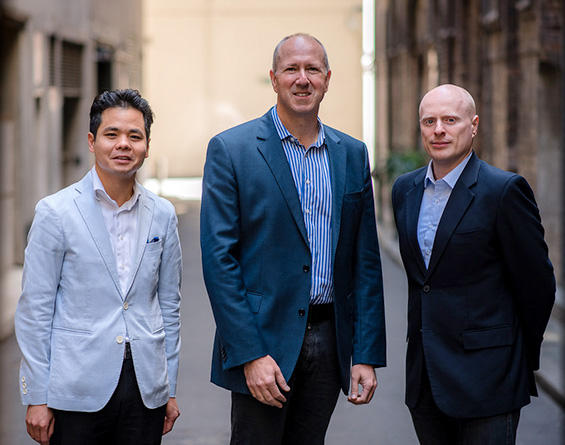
x=290, y=69
x=428, y=121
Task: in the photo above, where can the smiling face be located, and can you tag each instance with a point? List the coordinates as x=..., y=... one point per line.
x=448, y=124
x=120, y=145
x=301, y=78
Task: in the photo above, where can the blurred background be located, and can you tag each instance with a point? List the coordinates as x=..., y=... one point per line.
x=204, y=66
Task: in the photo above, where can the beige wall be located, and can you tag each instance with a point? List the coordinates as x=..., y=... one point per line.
x=206, y=68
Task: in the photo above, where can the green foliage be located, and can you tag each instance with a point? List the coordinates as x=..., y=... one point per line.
x=398, y=163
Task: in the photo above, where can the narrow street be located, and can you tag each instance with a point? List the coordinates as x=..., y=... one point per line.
x=205, y=408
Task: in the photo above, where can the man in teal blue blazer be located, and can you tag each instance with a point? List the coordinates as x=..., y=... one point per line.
x=98, y=319
x=291, y=260
x=481, y=286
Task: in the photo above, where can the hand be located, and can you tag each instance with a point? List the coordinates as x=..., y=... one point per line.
x=265, y=380
x=365, y=376
x=172, y=413
x=40, y=423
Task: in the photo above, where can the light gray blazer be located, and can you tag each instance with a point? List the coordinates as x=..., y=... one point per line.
x=72, y=317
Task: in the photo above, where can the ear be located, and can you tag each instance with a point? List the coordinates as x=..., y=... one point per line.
x=475, y=125
x=273, y=80
x=147, y=148
x=90, y=138
x=328, y=81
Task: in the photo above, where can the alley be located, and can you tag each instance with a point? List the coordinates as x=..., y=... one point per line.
x=205, y=408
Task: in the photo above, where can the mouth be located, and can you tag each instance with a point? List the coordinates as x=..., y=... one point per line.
x=440, y=144
x=302, y=94
x=122, y=158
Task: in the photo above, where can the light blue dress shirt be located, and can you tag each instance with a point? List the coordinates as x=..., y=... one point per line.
x=436, y=196
x=311, y=172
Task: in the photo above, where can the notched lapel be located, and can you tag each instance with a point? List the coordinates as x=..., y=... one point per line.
x=413, y=202
x=459, y=201
x=270, y=147
x=338, y=166
x=145, y=218
x=92, y=216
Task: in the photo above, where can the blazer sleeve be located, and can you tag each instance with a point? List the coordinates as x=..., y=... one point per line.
x=220, y=244
x=527, y=264
x=44, y=257
x=170, y=277
x=369, y=340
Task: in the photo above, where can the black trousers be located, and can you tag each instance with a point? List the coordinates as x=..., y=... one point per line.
x=314, y=390
x=125, y=420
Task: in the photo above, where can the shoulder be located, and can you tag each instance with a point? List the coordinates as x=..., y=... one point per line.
x=492, y=177
x=64, y=198
x=162, y=205
x=409, y=179
x=343, y=138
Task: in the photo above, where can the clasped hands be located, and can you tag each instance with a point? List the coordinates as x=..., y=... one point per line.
x=267, y=384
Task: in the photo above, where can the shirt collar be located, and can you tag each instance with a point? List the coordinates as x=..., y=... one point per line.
x=451, y=178
x=100, y=192
x=285, y=134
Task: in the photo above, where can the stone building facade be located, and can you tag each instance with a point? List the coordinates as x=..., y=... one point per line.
x=509, y=55
x=55, y=55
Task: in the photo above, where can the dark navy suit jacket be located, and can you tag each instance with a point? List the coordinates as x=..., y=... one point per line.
x=478, y=313
x=256, y=258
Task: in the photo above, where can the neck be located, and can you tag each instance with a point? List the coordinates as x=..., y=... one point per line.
x=304, y=128
x=120, y=189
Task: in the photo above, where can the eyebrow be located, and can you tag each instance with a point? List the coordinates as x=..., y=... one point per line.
x=133, y=130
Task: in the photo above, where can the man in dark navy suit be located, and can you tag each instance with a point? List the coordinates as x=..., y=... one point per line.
x=481, y=286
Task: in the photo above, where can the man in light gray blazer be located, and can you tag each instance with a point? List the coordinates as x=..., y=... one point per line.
x=98, y=320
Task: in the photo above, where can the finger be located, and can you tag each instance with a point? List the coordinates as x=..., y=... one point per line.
x=282, y=382
x=167, y=426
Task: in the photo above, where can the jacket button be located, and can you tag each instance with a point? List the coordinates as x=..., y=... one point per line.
x=426, y=288
x=126, y=305
x=119, y=339
x=301, y=312
x=306, y=269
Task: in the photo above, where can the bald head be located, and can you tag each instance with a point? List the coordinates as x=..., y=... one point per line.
x=304, y=36
x=461, y=97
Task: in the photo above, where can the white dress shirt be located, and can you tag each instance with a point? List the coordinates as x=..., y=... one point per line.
x=121, y=223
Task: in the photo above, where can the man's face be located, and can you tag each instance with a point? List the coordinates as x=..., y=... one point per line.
x=448, y=126
x=121, y=145
x=301, y=79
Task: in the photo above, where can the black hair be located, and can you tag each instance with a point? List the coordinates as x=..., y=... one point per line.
x=126, y=98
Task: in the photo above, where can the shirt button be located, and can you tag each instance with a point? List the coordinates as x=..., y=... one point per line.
x=301, y=312
x=307, y=181
x=307, y=211
x=126, y=305
x=119, y=339
x=426, y=288
x=306, y=269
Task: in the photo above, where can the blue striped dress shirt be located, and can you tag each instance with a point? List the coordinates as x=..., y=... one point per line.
x=311, y=172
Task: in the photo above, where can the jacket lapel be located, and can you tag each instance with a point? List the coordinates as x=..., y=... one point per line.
x=338, y=166
x=459, y=201
x=92, y=216
x=413, y=204
x=270, y=146
x=146, y=206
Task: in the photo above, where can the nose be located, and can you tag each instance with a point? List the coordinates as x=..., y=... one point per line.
x=302, y=77
x=122, y=142
x=439, y=128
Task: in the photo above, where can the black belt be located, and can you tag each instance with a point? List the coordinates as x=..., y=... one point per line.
x=127, y=352
x=320, y=312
